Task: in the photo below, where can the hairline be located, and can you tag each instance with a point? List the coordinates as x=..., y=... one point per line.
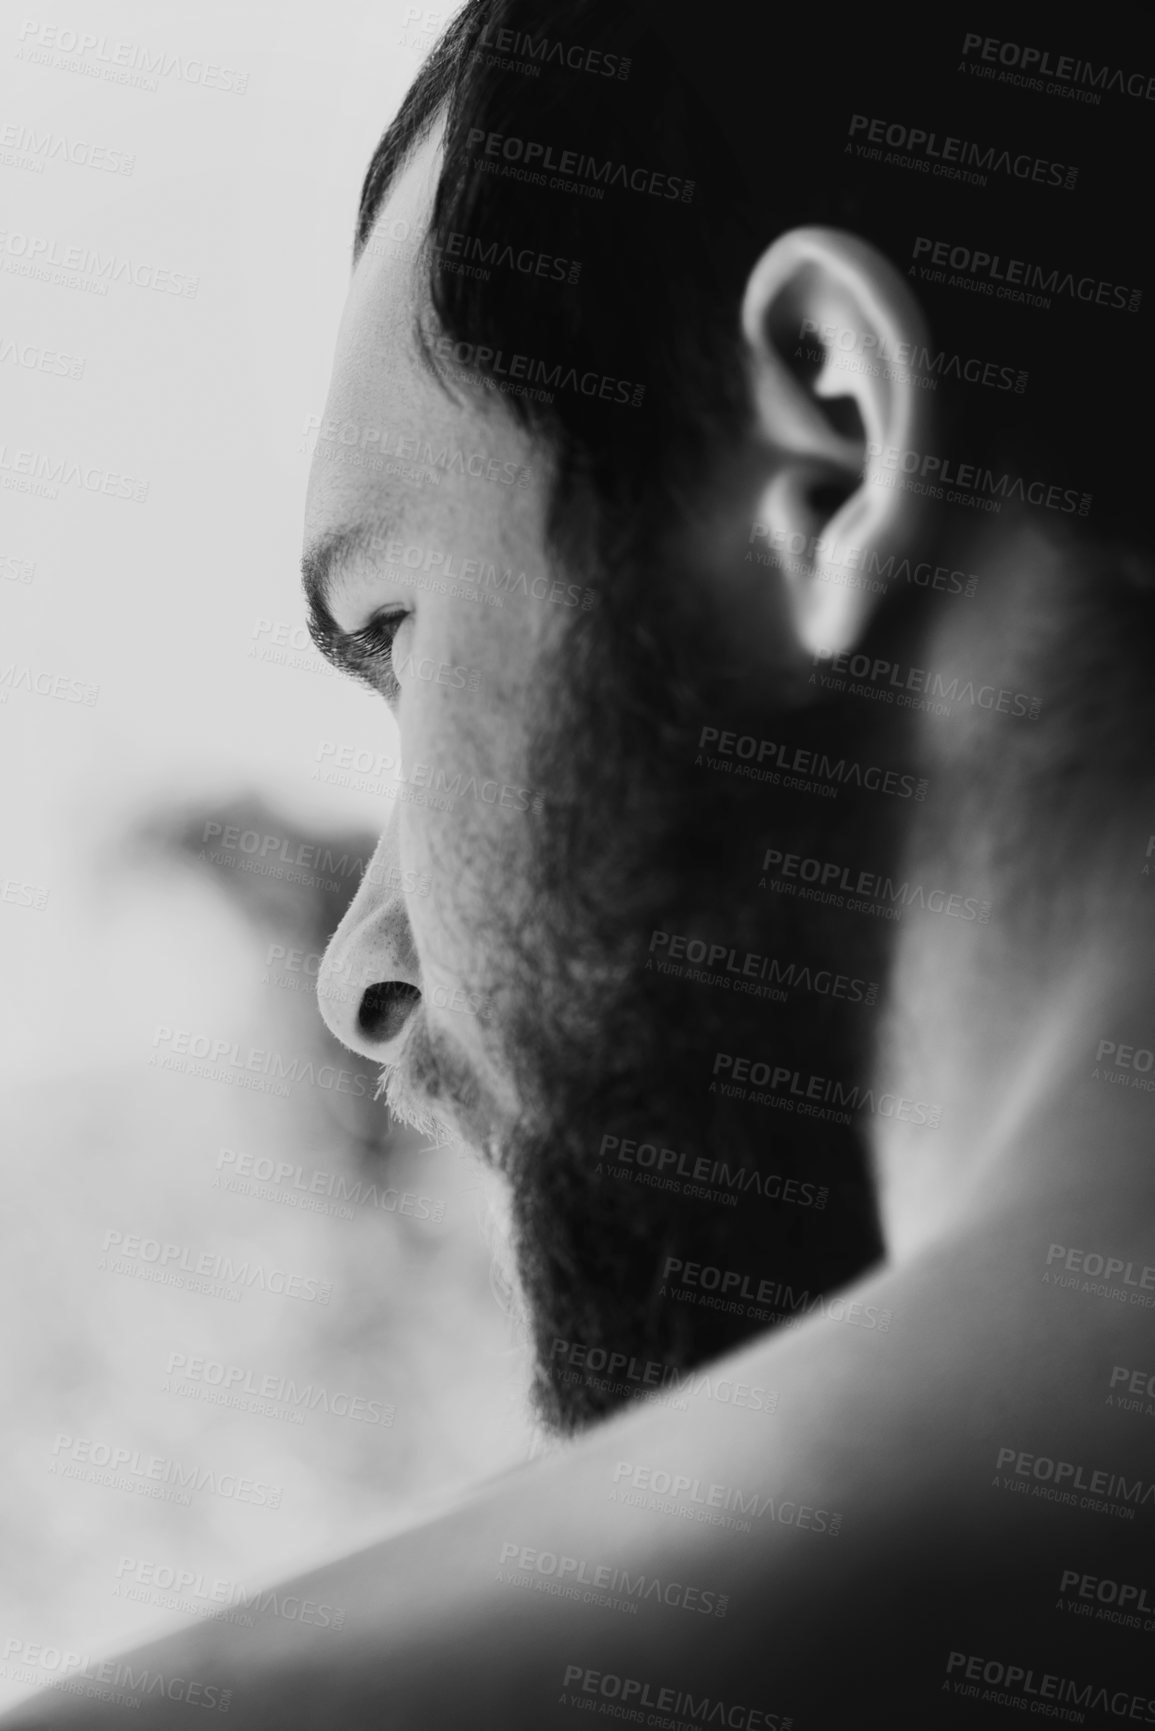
x=430, y=92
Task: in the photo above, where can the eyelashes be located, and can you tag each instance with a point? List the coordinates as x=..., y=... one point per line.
x=368, y=653
x=376, y=639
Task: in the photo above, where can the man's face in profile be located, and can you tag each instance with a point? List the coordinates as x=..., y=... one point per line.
x=553, y=797
x=453, y=657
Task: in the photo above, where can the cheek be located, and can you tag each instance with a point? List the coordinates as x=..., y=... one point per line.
x=439, y=842
x=421, y=754
x=464, y=811
x=450, y=931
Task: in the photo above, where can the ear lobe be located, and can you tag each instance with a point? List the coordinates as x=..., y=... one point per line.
x=818, y=304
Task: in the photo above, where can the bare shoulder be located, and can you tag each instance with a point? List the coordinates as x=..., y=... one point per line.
x=932, y=1520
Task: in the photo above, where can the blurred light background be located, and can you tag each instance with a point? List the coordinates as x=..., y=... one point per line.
x=169, y=866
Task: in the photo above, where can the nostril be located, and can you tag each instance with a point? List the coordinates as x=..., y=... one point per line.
x=384, y=1008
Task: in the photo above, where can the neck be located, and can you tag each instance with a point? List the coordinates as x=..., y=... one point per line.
x=1046, y=1111
x=1029, y=1030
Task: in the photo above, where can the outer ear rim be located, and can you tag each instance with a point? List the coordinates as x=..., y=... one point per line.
x=848, y=258
x=853, y=266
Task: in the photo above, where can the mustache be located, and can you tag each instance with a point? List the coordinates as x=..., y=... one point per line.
x=434, y=1087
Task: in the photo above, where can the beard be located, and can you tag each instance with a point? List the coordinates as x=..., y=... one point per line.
x=661, y=1214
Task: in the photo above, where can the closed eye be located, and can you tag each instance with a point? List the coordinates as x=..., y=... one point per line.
x=368, y=654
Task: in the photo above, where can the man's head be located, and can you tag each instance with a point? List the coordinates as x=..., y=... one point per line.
x=626, y=327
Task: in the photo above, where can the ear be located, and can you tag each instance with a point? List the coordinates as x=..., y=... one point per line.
x=820, y=309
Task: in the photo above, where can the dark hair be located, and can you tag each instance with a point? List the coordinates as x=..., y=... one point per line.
x=747, y=114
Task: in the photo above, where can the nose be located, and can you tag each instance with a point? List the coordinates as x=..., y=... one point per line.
x=369, y=983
